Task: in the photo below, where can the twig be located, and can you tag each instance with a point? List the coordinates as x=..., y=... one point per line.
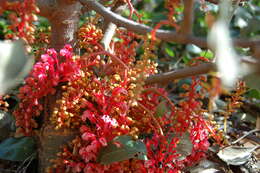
x=165, y=35
x=245, y=135
x=22, y=168
x=152, y=117
x=114, y=58
x=157, y=92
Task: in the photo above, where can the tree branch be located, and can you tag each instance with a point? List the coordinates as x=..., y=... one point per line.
x=218, y=1
x=110, y=27
x=181, y=73
x=165, y=35
x=200, y=69
x=187, y=24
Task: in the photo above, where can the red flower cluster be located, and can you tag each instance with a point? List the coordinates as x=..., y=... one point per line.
x=107, y=105
x=44, y=77
x=22, y=17
x=107, y=115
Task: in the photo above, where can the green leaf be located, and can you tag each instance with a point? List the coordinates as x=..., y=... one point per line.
x=169, y=51
x=14, y=64
x=253, y=93
x=184, y=147
x=128, y=149
x=17, y=149
x=207, y=54
x=186, y=58
x=161, y=109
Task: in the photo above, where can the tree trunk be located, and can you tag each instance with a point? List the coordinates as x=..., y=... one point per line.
x=63, y=16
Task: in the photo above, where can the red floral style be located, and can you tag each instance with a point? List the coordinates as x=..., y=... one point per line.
x=104, y=110
x=44, y=77
x=104, y=101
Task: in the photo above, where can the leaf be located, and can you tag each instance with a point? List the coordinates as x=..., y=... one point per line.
x=6, y=122
x=5, y=119
x=184, y=147
x=226, y=58
x=169, y=51
x=193, y=49
x=205, y=166
x=207, y=54
x=161, y=109
x=252, y=80
x=14, y=64
x=235, y=155
x=253, y=93
x=128, y=149
x=17, y=149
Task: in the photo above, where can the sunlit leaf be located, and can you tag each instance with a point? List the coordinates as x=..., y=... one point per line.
x=128, y=149
x=207, y=54
x=5, y=118
x=205, y=166
x=227, y=62
x=169, y=51
x=235, y=155
x=14, y=64
x=193, y=49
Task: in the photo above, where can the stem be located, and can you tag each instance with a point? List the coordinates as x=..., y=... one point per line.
x=245, y=135
x=152, y=117
x=119, y=61
x=157, y=92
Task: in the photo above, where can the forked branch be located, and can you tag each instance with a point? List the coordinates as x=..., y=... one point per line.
x=165, y=35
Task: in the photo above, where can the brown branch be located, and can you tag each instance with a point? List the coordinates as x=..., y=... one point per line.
x=165, y=35
x=187, y=24
x=218, y=1
x=213, y=1
x=198, y=70
x=181, y=73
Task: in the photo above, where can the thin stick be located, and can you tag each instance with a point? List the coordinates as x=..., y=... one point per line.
x=157, y=92
x=245, y=135
x=108, y=54
x=154, y=119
